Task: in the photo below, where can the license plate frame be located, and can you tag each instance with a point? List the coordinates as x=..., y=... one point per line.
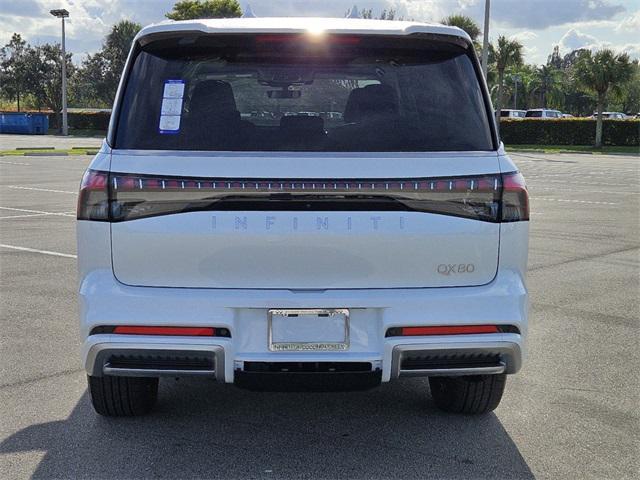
x=307, y=346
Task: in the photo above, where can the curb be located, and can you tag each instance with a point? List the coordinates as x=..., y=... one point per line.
x=35, y=148
x=620, y=154
x=51, y=153
x=45, y=154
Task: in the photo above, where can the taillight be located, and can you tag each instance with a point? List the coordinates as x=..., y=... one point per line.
x=93, y=201
x=139, y=196
x=515, y=198
x=118, y=197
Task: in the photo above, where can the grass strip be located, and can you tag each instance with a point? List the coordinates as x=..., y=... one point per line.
x=634, y=150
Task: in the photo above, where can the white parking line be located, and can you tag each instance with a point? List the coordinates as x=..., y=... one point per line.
x=536, y=178
x=62, y=214
x=572, y=201
x=24, y=216
x=13, y=163
x=41, y=189
x=35, y=250
x=608, y=192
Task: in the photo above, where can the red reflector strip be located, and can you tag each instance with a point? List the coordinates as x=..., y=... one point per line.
x=450, y=330
x=176, y=331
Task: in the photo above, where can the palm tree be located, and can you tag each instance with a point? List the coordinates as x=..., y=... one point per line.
x=601, y=72
x=465, y=23
x=548, y=77
x=508, y=53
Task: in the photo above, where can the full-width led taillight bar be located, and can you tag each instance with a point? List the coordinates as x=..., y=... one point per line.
x=450, y=330
x=133, y=183
x=122, y=196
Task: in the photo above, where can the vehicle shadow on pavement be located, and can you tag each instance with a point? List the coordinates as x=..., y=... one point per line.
x=206, y=430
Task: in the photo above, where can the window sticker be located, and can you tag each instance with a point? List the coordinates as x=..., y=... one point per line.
x=171, y=109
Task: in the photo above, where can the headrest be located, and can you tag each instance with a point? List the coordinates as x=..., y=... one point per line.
x=214, y=97
x=371, y=100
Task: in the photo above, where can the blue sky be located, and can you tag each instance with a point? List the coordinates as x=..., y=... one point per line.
x=538, y=24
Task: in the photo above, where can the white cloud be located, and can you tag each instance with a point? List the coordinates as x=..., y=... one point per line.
x=574, y=39
x=630, y=24
x=633, y=49
x=524, y=36
x=541, y=14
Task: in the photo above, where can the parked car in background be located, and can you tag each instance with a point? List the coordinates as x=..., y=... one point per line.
x=543, y=113
x=509, y=113
x=567, y=115
x=332, y=115
x=610, y=115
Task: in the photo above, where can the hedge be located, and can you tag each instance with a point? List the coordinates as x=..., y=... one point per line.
x=569, y=131
x=530, y=131
x=82, y=120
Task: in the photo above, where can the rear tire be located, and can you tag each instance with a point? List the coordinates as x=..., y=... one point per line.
x=469, y=394
x=123, y=396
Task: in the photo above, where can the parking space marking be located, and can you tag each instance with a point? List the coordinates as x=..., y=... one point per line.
x=13, y=163
x=17, y=187
x=62, y=214
x=590, y=191
x=35, y=250
x=573, y=201
x=534, y=178
x=24, y=216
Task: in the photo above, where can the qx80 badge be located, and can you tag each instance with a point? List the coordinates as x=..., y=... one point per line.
x=455, y=268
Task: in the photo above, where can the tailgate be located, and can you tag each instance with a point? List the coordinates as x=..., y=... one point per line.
x=202, y=222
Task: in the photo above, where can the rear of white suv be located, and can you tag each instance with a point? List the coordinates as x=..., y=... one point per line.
x=277, y=249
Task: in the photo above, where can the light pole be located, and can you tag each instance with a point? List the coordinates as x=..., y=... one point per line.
x=516, y=79
x=62, y=14
x=485, y=40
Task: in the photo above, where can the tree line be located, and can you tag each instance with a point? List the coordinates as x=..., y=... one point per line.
x=31, y=76
x=580, y=82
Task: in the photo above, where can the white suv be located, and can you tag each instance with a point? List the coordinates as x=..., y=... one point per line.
x=297, y=250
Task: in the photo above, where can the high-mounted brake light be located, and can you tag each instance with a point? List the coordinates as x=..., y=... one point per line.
x=515, y=198
x=293, y=39
x=93, y=201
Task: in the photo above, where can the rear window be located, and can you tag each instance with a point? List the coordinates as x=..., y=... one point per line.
x=534, y=114
x=289, y=93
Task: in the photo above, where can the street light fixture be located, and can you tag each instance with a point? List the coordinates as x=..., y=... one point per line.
x=62, y=14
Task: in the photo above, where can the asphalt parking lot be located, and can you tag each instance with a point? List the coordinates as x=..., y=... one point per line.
x=572, y=412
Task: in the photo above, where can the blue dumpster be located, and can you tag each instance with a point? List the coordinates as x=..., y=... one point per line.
x=25, y=123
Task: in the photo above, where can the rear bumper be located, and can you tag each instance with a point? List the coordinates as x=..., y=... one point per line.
x=126, y=357
x=145, y=359
x=449, y=359
x=104, y=301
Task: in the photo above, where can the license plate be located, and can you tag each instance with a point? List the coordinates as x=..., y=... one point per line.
x=308, y=330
